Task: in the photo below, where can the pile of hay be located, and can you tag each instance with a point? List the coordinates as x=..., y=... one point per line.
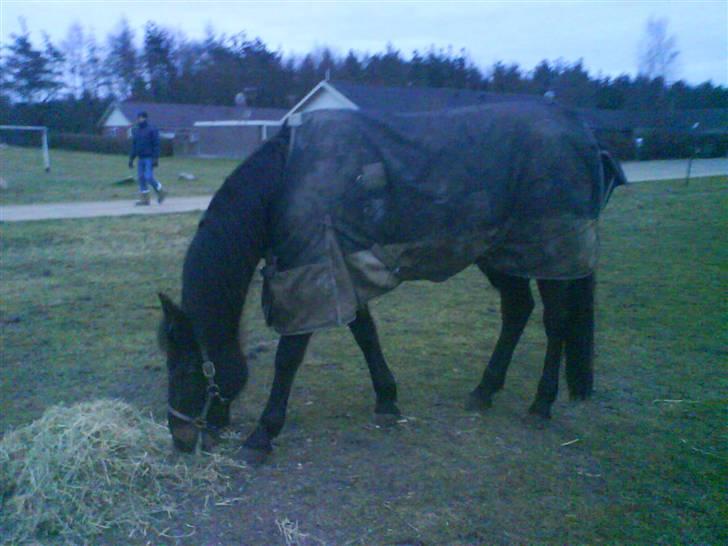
x=80, y=470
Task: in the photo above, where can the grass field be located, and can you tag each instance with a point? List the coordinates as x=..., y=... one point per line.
x=78, y=318
x=81, y=176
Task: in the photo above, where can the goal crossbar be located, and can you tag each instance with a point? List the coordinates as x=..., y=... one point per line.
x=44, y=139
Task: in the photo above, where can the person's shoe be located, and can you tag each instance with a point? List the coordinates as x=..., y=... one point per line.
x=161, y=195
x=143, y=200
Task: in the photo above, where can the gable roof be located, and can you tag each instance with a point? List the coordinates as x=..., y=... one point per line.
x=165, y=115
x=321, y=87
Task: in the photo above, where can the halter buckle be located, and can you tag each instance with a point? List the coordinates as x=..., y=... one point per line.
x=208, y=369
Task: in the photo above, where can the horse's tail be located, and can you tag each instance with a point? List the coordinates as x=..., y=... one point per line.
x=613, y=175
x=579, y=345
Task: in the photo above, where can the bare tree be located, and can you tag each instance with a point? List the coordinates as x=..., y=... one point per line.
x=657, y=51
x=123, y=64
x=95, y=81
x=72, y=48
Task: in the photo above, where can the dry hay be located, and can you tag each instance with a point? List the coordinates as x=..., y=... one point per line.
x=80, y=470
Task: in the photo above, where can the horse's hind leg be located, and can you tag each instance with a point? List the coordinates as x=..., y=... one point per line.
x=579, y=344
x=516, y=307
x=289, y=356
x=554, y=295
x=365, y=333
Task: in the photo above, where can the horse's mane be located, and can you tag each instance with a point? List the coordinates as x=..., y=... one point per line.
x=231, y=235
x=255, y=175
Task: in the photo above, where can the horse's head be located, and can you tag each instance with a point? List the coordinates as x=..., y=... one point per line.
x=188, y=387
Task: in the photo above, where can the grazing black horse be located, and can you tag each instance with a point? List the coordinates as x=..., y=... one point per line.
x=207, y=368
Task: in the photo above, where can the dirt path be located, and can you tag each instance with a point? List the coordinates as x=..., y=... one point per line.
x=636, y=171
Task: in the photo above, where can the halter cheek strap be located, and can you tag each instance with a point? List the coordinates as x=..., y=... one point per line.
x=211, y=393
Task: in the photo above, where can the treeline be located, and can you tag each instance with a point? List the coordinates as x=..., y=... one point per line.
x=67, y=85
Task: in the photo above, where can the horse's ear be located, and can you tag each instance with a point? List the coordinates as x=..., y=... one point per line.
x=172, y=313
x=284, y=133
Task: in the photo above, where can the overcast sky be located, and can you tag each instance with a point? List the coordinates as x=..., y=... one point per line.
x=605, y=34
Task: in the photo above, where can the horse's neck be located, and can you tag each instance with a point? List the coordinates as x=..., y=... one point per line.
x=219, y=266
x=222, y=258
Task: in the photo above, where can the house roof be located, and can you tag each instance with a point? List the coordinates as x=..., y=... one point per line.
x=179, y=116
x=418, y=99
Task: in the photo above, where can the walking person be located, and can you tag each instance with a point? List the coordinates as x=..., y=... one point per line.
x=145, y=146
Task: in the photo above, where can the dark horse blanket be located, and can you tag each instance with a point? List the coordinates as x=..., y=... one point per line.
x=373, y=200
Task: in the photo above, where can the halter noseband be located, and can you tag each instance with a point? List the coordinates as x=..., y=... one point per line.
x=211, y=393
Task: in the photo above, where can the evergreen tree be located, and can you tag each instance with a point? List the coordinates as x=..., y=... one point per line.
x=161, y=72
x=351, y=68
x=31, y=74
x=506, y=79
x=387, y=68
x=543, y=78
x=574, y=87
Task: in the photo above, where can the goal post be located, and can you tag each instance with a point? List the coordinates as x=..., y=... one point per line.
x=43, y=136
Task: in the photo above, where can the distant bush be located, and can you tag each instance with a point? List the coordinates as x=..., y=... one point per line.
x=79, y=142
x=619, y=144
x=99, y=144
x=21, y=138
x=663, y=144
x=713, y=146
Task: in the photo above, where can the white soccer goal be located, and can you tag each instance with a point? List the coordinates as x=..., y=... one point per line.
x=34, y=128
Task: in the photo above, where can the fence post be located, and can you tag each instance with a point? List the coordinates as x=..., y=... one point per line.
x=46, y=155
x=695, y=151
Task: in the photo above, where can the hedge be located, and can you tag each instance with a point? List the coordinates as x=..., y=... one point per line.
x=619, y=144
x=79, y=142
x=662, y=144
x=100, y=144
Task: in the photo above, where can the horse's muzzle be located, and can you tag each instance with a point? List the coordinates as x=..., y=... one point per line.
x=186, y=437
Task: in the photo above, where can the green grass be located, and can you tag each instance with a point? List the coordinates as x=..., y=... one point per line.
x=78, y=317
x=82, y=176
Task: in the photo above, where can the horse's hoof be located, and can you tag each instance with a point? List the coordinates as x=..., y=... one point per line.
x=386, y=419
x=536, y=421
x=476, y=402
x=540, y=409
x=579, y=397
x=254, y=457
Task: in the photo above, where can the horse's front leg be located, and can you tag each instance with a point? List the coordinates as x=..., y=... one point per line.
x=289, y=356
x=364, y=330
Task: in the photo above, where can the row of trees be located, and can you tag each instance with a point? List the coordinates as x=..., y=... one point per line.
x=169, y=67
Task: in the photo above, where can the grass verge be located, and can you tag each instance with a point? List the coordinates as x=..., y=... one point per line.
x=85, y=176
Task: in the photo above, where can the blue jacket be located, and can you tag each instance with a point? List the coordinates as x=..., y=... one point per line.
x=145, y=142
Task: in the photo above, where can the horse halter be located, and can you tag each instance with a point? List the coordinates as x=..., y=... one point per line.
x=211, y=393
